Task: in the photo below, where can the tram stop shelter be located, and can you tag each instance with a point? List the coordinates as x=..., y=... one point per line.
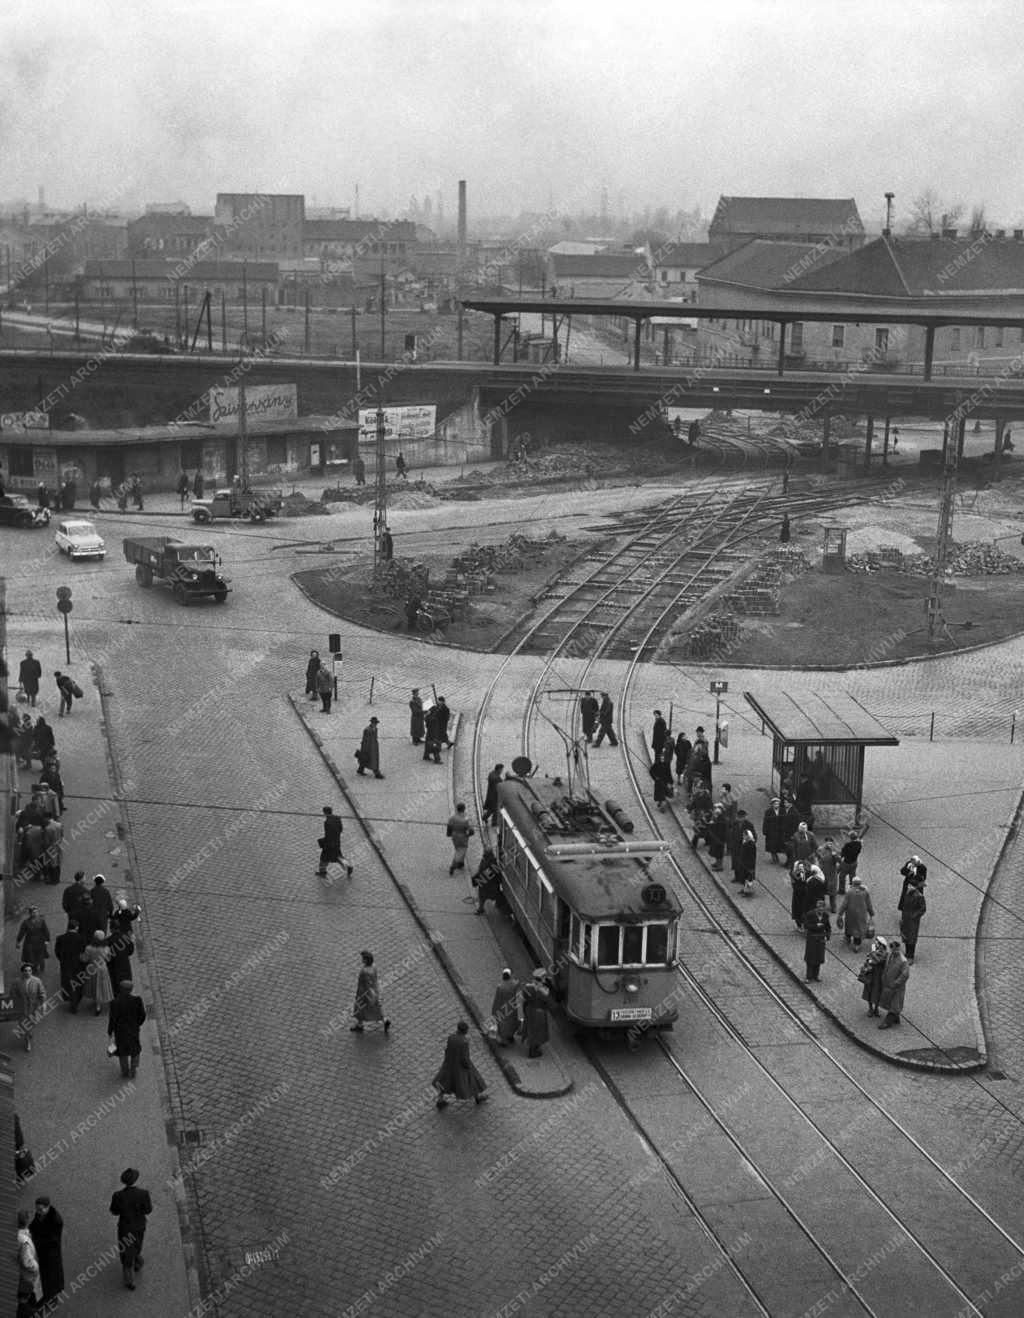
x=820, y=740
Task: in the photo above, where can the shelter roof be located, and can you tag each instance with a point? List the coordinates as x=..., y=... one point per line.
x=813, y=719
x=173, y=269
x=787, y=215
x=764, y=263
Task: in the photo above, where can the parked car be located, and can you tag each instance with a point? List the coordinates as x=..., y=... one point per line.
x=79, y=540
x=15, y=510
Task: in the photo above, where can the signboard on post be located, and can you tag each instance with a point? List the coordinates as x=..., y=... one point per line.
x=263, y=402
x=400, y=423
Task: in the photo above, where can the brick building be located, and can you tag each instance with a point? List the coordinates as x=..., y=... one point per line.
x=163, y=280
x=262, y=225
x=786, y=219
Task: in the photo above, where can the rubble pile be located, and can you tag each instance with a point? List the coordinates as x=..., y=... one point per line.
x=970, y=559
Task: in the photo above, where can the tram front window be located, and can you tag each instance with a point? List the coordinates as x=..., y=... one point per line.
x=608, y=945
x=657, y=944
x=633, y=945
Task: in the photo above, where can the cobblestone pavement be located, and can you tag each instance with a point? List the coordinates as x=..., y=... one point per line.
x=296, y=1126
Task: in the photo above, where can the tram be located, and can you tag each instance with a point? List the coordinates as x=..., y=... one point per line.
x=588, y=900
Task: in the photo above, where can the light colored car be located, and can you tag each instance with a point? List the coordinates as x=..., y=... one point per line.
x=79, y=540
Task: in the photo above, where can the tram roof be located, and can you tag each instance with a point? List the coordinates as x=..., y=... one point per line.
x=810, y=719
x=597, y=887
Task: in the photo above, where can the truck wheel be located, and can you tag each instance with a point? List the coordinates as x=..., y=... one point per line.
x=201, y=515
x=143, y=575
x=220, y=596
x=180, y=593
x=256, y=515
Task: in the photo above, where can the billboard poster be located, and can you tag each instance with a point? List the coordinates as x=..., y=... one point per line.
x=400, y=423
x=263, y=402
x=19, y=423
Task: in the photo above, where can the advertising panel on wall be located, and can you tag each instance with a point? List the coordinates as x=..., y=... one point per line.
x=400, y=423
x=19, y=423
x=263, y=402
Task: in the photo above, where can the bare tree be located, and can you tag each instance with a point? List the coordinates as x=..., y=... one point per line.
x=979, y=220
x=930, y=214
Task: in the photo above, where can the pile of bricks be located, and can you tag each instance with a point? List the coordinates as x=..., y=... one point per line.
x=401, y=578
x=717, y=635
x=974, y=559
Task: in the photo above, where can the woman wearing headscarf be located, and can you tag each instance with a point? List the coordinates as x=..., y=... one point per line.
x=98, y=988
x=870, y=974
x=34, y=940
x=895, y=974
x=856, y=914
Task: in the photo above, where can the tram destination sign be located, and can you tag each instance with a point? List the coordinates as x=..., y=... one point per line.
x=631, y=1013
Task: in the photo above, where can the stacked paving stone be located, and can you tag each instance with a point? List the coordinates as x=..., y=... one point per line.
x=717, y=635
x=973, y=559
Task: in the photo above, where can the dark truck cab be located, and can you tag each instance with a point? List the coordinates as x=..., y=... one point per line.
x=192, y=571
x=253, y=505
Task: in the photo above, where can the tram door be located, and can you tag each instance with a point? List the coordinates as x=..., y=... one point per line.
x=561, y=949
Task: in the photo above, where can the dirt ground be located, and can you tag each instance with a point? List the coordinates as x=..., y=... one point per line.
x=346, y=592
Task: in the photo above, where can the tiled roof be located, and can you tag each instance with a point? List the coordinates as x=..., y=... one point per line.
x=689, y=255
x=787, y=215
x=354, y=231
x=602, y=265
x=916, y=267
x=762, y=263
x=173, y=224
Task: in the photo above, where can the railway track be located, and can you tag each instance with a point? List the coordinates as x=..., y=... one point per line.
x=860, y=1211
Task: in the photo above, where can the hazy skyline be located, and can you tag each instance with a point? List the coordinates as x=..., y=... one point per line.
x=533, y=103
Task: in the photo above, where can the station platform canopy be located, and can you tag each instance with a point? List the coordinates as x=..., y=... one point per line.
x=818, y=745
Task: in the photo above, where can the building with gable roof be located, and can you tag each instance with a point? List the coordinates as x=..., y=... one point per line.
x=834, y=220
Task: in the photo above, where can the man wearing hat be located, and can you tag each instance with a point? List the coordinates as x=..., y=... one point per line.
x=416, y=725
x=536, y=1004
x=914, y=871
x=131, y=1206
x=368, y=753
x=330, y=843
x=102, y=902
x=504, y=1008
x=125, y=1019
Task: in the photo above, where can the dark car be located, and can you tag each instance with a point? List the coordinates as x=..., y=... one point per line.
x=15, y=510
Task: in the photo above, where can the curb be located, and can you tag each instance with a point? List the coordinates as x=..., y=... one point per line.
x=1012, y=826
x=189, y=1223
x=433, y=937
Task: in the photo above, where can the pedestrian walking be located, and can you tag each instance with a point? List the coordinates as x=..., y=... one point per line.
x=325, y=688
x=683, y=747
x=444, y=715
x=827, y=859
x=856, y=914
x=460, y=830
x=771, y=829
x=30, y=1286
x=97, y=988
x=490, y=811
x=432, y=730
x=66, y=691
x=698, y=766
x=505, y=1009
x=748, y=859
x=914, y=907
x=47, y=1231
x=914, y=871
x=784, y=531
x=102, y=902
x=661, y=772
x=458, y=1076
x=330, y=843
x=400, y=467
x=417, y=726
x=387, y=544
x=536, y=1005
x=659, y=733
x=368, y=754
x=95, y=494
x=88, y=920
x=487, y=883
x=34, y=940
x=717, y=835
x=368, y=1006
x=51, y=778
x=30, y=674
x=198, y=484
x=412, y=612
x=68, y=950
x=803, y=843
x=126, y=1016
x=895, y=974
x=29, y=995
x=817, y=932
x=605, y=715
x=184, y=486
x=798, y=893
x=359, y=471
x=588, y=715
x=312, y=672
x=52, y=854
x=849, y=858
x=870, y=974
x=131, y=1205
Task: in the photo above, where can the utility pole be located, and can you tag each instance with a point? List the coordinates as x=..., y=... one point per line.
x=383, y=344
x=263, y=326
x=245, y=303
x=355, y=341
x=243, y=456
x=135, y=299
x=307, y=323
x=380, y=503
x=951, y=450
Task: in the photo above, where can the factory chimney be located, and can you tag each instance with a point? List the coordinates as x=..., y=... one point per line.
x=462, y=223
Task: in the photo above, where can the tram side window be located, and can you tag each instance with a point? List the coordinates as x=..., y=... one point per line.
x=574, y=935
x=633, y=945
x=608, y=945
x=588, y=944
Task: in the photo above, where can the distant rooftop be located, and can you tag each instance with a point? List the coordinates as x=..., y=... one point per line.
x=786, y=215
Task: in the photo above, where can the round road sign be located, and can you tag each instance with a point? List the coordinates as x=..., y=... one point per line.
x=63, y=592
x=64, y=606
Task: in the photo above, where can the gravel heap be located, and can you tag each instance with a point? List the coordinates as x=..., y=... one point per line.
x=971, y=559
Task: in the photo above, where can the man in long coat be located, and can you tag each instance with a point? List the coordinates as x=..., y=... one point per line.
x=432, y=742
x=125, y=1017
x=330, y=843
x=131, y=1206
x=771, y=827
x=490, y=810
x=368, y=753
x=30, y=673
x=817, y=931
x=312, y=671
x=605, y=715
x=683, y=747
x=588, y=715
x=46, y=1230
x=505, y=1008
x=856, y=913
x=458, y=1076
x=659, y=734
x=536, y=1004
x=417, y=727
x=914, y=907
x=895, y=974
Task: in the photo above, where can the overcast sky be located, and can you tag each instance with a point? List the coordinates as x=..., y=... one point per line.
x=533, y=102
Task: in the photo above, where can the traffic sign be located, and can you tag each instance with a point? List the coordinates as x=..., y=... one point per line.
x=719, y=688
x=63, y=592
x=64, y=606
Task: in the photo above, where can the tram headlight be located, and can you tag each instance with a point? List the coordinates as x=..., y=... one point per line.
x=631, y=986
